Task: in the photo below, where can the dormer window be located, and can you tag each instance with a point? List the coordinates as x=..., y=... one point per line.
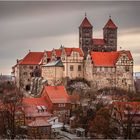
x=41, y=108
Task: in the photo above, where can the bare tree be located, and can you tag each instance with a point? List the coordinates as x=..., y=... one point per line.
x=126, y=116
x=11, y=100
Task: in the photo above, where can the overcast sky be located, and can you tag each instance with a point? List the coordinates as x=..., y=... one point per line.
x=39, y=26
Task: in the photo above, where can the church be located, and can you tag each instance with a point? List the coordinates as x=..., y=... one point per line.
x=96, y=60
x=87, y=42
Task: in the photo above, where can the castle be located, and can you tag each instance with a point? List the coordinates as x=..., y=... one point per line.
x=96, y=60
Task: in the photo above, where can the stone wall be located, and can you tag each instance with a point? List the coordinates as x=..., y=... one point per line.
x=52, y=74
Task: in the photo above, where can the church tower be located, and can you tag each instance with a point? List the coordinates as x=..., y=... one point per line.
x=85, y=35
x=110, y=35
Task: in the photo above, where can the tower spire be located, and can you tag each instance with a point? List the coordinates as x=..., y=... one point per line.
x=109, y=16
x=85, y=14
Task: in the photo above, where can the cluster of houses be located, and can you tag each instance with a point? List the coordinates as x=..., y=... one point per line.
x=39, y=117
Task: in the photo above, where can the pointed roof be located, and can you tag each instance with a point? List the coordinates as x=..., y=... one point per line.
x=110, y=24
x=57, y=94
x=85, y=23
x=58, y=52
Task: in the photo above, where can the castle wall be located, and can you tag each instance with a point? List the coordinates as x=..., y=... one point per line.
x=119, y=76
x=52, y=74
x=25, y=73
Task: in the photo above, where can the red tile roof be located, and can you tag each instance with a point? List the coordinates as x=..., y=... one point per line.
x=58, y=52
x=107, y=58
x=57, y=94
x=70, y=50
x=85, y=23
x=104, y=58
x=30, y=107
x=110, y=24
x=98, y=41
x=32, y=58
x=49, y=54
x=35, y=101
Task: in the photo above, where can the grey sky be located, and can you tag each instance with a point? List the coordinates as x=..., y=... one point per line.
x=40, y=26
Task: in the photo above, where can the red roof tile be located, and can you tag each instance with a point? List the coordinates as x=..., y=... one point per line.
x=98, y=41
x=32, y=58
x=104, y=58
x=107, y=58
x=110, y=24
x=35, y=101
x=85, y=23
x=30, y=107
x=58, y=52
x=70, y=50
x=57, y=94
x=49, y=54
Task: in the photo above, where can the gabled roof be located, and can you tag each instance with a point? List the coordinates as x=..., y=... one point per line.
x=85, y=23
x=58, y=52
x=110, y=24
x=128, y=54
x=49, y=54
x=57, y=94
x=70, y=50
x=32, y=58
x=57, y=63
x=97, y=41
x=104, y=58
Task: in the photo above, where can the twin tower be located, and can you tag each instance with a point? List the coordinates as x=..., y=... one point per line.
x=87, y=42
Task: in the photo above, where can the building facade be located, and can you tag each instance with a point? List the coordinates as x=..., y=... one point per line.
x=96, y=60
x=110, y=70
